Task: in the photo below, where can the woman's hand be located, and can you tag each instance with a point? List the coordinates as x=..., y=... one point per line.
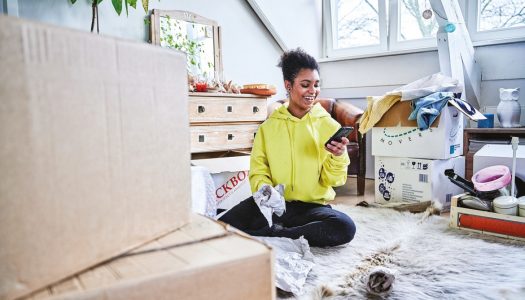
x=337, y=148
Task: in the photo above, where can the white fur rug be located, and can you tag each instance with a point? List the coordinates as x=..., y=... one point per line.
x=432, y=260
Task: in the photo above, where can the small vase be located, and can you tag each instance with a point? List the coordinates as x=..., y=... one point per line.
x=509, y=110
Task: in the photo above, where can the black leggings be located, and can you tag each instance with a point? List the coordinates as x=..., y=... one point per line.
x=319, y=224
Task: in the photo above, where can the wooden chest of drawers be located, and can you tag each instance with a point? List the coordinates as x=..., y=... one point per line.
x=222, y=122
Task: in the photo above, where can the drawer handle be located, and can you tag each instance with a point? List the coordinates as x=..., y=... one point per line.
x=201, y=109
x=230, y=136
x=229, y=108
x=201, y=138
x=255, y=109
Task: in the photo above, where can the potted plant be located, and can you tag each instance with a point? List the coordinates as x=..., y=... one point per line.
x=117, y=4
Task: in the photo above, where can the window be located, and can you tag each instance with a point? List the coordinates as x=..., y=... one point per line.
x=371, y=27
x=355, y=27
x=491, y=20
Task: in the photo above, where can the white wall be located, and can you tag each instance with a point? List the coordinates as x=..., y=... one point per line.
x=250, y=54
x=298, y=23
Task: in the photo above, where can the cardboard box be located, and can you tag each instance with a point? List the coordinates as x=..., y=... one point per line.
x=230, y=175
x=396, y=136
x=416, y=180
x=491, y=155
x=94, y=150
x=202, y=260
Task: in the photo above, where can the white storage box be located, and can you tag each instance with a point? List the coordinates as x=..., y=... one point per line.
x=416, y=180
x=394, y=135
x=491, y=155
x=230, y=175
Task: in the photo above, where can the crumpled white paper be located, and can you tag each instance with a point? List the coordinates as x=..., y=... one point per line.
x=270, y=200
x=293, y=262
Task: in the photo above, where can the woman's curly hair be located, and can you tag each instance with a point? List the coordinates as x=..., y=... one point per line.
x=293, y=61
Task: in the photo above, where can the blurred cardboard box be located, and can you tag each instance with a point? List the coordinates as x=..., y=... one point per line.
x=416, y=180
x=394, y=135
x=94, y=150
x=200, y=261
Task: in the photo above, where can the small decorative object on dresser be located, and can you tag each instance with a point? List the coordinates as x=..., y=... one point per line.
x=509, y=110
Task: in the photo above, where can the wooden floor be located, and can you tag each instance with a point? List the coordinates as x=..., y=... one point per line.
x=347, y=194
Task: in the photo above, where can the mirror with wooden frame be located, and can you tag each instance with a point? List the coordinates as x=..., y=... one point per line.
x=197, y=36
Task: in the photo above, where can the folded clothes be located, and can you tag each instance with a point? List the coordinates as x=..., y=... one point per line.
x=425, y=110
x=378, y=106
x=380, y=281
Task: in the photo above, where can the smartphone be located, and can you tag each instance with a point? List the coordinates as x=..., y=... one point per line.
x=340, y=134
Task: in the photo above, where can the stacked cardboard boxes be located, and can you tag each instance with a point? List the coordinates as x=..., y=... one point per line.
x=95, y=162
x=409, y=163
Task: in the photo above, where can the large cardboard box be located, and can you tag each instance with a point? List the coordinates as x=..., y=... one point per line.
x=200, y=261
x=230, y=175
x=394, y=135
x=491, y=155
x=416, y=180
x=94, y=150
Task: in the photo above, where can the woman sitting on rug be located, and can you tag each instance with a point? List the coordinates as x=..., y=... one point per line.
x=289, y=149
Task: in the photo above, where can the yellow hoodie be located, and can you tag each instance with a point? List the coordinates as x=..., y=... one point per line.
x=290, y=151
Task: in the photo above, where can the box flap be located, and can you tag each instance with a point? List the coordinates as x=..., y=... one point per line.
x=397, y=116
x=224, y=164
x=467, y=109
x=205, y=259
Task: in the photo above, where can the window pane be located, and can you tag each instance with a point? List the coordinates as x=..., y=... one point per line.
x=412, y=25
x=357, y=23
x=497, y=14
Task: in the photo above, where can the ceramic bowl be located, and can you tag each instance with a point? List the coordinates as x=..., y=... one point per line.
x=506, y=205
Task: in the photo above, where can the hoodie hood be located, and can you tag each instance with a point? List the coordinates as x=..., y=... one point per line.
x=316, y=112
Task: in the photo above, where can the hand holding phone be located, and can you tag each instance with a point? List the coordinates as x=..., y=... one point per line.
x=339, y=134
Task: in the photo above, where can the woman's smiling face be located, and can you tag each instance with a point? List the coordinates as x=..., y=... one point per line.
x=303, y=92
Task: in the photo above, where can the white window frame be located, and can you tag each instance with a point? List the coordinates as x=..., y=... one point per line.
x=389, y=45
x=494, y=36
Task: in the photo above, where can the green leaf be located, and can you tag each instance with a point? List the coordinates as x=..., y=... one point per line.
x=132, y=3
x=73, y=1
x=126, y=5
x=117, y=4
x=145, y=4
x=98, y=1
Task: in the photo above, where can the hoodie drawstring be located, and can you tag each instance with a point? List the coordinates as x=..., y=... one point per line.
x=316, y=146
x=291, y=152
